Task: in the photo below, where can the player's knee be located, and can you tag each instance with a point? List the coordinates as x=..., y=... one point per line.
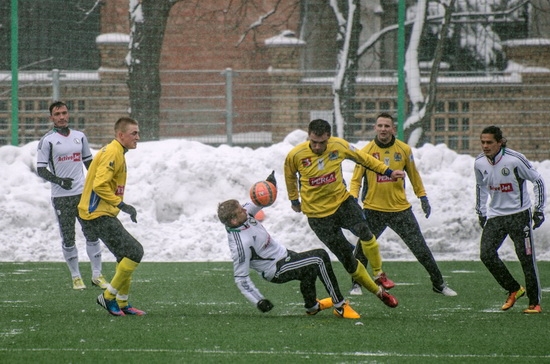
x=363, y=232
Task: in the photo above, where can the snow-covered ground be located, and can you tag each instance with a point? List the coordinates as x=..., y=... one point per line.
x=176, y=185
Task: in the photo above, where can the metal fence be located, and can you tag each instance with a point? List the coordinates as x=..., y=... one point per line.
x=257, y=108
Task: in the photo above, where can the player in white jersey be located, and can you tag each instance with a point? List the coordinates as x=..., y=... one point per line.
x=253, y=247
x=61, y=153
x=501, y=173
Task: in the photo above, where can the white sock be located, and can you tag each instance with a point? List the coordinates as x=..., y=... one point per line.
x=71, y=257
x=93, y=248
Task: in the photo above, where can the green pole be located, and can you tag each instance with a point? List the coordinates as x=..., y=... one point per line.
x=14, y=74
x=401, y=69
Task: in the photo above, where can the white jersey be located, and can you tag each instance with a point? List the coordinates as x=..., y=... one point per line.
x=504, y=179
x=64, y=157
x=251, y=246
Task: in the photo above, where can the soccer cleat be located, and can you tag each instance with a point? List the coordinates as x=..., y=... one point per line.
x=445, y=291
x=387, y=298
x=100, y=282
x=132, y=311
x=323, y=305
x=78, y=283
x=356, y=290
x=110, y=305
x=533, y=309
x=345, y=311
x=512, y=298
x=383, y=280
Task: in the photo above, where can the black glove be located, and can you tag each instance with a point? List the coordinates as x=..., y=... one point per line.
x=271, y=178
x=538, y=219
x=129, y=209
x=65, y=183
x=426, y=206
x=264, y=305
x=482, y=221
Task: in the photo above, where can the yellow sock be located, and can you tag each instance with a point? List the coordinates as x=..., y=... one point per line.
x=372, y=252
x=362, y=277
x=123, y=276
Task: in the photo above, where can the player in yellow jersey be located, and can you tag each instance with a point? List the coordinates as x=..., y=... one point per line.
x=313, y=172
x=101, y=201
x=385, y=202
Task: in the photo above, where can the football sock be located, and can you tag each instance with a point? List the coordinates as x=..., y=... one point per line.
x=93, y=248
x=362, y=277
x=372, y=252
x=71, y=257
x=122, y=278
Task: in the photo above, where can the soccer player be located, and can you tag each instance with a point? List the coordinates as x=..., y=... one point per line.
x=102, y=200
x=253, y=247
x=501, y=173
x=385, y=202
x=59, y=159
x=313, y=171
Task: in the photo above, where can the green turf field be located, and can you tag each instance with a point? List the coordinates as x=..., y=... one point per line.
x=197, y=315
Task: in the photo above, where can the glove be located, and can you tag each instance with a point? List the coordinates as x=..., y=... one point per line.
x=129, y=209
x=426, y=206
x=271, y=178
x=65, y=183
x=296, y=205
x=482, y=221
x=264, y=305
x=538, y=219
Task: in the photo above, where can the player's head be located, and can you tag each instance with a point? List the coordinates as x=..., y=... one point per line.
x=318, y=133
x=384, y=127
x=492, y=140
x=59, y=115
x=127, y=132
x=231, y=213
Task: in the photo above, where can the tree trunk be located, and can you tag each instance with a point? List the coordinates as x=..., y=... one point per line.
x=148, y=25
x=347, y=13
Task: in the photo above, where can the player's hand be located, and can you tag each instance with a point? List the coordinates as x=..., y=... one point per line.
x=296, y=205
x=65, y=183
x=482, y=221
x=129, y=209
x=397, y=174
x=426, y=206
x=271, y=178
x=538, y=219
x=264, y=305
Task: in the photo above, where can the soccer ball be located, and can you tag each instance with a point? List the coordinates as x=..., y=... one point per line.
x=263, y=193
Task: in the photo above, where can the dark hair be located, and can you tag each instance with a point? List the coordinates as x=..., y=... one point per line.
x=496, y=132
x=318, y=127
x=57, y=105
x=386, y=116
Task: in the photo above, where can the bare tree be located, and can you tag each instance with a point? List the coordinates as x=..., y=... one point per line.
x=148, y=23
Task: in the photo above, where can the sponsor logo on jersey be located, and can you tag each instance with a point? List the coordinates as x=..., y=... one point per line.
x=323, y=180
x=75, y=157
x=119, y=191
x=382, y=178
x=503, y=187
x=306, y=162
x=333, y=155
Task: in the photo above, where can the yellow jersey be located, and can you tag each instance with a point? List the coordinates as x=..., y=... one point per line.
x=382, y=193
x=105, y=183
x=318, y=179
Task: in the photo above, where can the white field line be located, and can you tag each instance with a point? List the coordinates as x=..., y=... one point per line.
x=380, y=354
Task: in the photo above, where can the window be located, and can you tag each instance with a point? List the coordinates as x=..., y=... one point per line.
x=465, y=124
x=453, y=124
x=439, y=124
